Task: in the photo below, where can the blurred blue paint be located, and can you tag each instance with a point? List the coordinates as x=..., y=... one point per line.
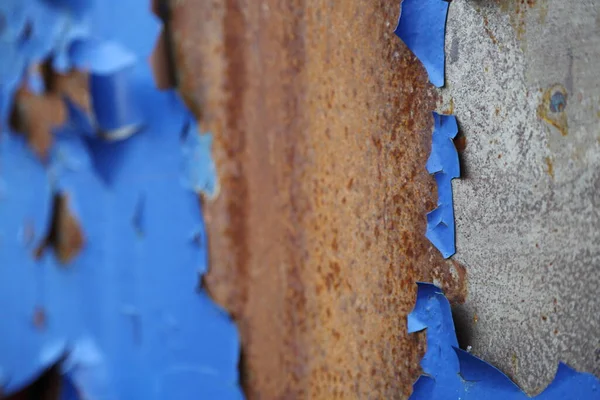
x=125, y=318
x=444, y=165
x=450, y=373
x=422, y=27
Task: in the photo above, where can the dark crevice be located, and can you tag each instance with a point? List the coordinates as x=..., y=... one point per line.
x=463, y=325
x=46, y=387
x=165, y=47
x=460, y=142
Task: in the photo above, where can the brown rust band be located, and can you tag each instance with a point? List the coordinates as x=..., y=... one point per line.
x=322, y=124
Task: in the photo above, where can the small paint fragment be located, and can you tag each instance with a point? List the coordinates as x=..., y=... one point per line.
x=450, y=373
x=443, y=163
x=422, y=27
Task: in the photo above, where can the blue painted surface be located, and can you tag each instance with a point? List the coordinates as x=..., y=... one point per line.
x=451, y=374
x=444, y=165
x=126, y=312
x=422, y=27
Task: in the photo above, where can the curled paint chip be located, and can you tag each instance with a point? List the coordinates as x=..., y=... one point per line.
x=444, y=165
x=450, y=373
x=422, y=27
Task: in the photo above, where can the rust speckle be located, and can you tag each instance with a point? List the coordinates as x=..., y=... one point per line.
x=517, y=11
x=39, y=318
x=488, y=30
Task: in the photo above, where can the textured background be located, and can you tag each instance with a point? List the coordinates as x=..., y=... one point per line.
x=322, y=128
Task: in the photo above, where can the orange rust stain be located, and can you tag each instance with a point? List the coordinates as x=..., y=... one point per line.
x=36, y=115
x=556, y=118
x=486, y=27
x=517, y=11
x=450, y=109
x=550, y=167
x=322, y=125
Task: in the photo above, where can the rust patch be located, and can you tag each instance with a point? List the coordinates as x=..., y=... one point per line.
x=36, y=115
x=322, y=125
x=552, y=108
x=550, y=167
x=488, y=30
x=73, y=85
x=65, y=235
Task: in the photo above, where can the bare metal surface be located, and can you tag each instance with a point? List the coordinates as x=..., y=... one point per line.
x=524, y=81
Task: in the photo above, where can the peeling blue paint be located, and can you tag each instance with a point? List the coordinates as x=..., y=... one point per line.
x=450, y=373
x=422, y=27
x=444, y=165
x=125, y=318
x=198, y=174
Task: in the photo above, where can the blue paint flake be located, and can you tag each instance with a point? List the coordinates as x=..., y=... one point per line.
x=125, y=318
x=444, y=165
x=198, y=176
x=450, y=373
x=422, y=27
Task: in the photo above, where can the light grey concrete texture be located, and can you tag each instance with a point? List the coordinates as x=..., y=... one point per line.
x=523, y=79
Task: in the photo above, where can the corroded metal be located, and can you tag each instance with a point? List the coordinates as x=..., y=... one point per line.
x=322, y=124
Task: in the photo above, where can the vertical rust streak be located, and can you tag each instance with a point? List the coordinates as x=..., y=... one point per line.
x=294, y=129
x=235, y=141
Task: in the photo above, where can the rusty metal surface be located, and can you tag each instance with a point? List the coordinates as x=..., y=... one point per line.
x=322, y=128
